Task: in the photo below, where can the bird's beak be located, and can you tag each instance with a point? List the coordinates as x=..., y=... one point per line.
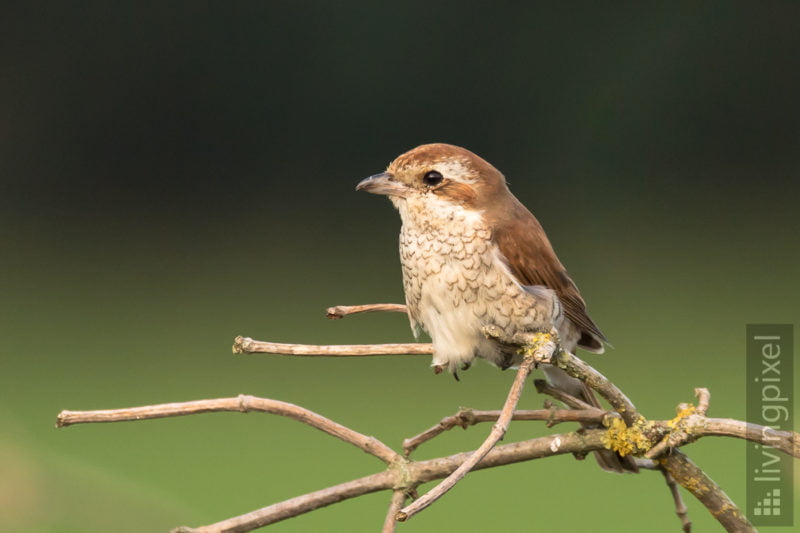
x=383, y=183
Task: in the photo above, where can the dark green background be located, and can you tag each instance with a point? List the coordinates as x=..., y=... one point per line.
x=174, y=175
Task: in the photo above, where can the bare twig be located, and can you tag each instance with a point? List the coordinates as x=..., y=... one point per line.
x=297, y=506
x=398, y=499
x=248, y=345
x=703, y=399
x=243, y=404
x=786, y=441
x=468, y=417
x=693, y=479
x=543, y=350
x=680, y=507
x=695, y=426
x=515, y=452
x=646, y=464
x=543, y=387
x=341, y=311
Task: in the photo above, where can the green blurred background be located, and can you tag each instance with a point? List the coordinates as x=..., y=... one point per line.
x=176, y=174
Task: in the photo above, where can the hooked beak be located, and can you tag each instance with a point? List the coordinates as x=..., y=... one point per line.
x=383, y=183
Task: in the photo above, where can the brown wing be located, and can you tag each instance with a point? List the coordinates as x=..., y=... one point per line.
x=531, y=259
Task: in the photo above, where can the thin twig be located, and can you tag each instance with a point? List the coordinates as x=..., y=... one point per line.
x=468, y=417
x=243, y=403
x=248, y=345
x=341, y=311
x=646, y=464
x=297, y=506
x=786, y=441
x=670, y=441
x=680, y=507
x=703, y=399
x=544, y=351
x=398, y=499
x=544, y=387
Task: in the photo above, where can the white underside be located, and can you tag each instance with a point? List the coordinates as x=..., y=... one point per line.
x=456, y=283
x=456, y=331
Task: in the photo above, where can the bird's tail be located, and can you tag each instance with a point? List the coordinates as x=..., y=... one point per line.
x=607, y=459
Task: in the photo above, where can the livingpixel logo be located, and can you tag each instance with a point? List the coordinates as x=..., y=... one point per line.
x=770, y=393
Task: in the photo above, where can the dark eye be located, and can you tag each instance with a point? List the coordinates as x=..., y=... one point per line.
x=432, y=178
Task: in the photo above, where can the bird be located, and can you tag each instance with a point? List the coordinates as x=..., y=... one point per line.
x=473, y=256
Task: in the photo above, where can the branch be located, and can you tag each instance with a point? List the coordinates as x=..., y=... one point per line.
x=693, y=479
x=543, y=350
x=658, y=438
x=585, y=441
x=297, y=506
x=678, y=465
x=243, y=404
x=577, y=368
x=407, y=475
x=703, y=400
x=691, y=423
x=543, y=387
x=786, y=441
x=498, y=431
x=341, y=311
x=248, y=345
x=398, y=500
x=469, y=417
x=680, y=506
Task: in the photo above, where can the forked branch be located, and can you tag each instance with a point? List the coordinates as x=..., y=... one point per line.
x=628, y=432
x=401, y=474
x=542, y=352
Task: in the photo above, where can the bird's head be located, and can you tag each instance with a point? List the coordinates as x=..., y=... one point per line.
x=438, y=175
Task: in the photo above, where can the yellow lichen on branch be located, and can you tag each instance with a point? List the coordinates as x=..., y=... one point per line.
x=633, y=440
x=684, y=410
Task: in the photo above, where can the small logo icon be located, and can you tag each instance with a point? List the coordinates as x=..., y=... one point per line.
x=770, y=505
